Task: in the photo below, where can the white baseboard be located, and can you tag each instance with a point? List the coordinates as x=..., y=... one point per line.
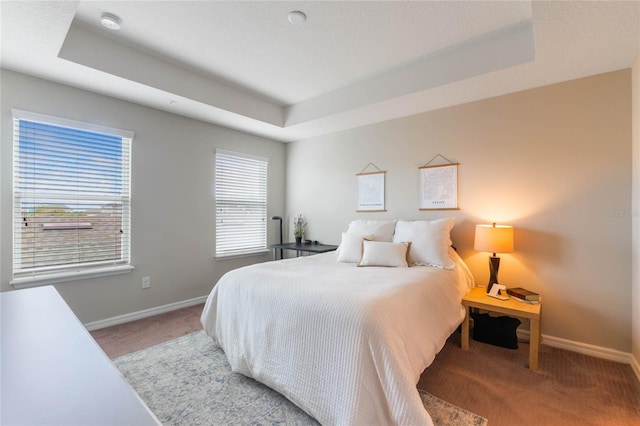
x=121, y=319
x=635, y=366
x=587, y=349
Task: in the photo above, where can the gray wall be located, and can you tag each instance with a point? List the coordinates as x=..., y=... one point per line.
x=554, y=162
x=173, y=209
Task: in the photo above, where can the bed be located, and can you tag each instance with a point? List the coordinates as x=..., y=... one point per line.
x=346, y=344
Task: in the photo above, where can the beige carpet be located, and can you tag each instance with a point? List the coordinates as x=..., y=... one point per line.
x=493, y=382
x=567, y=389
x=135, y=335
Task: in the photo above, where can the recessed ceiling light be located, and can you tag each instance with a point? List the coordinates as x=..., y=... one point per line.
x=297, y=17
x=110, y=21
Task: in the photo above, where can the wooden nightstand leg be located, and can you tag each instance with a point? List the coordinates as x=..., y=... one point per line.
x=534, y=344
x=464, y=342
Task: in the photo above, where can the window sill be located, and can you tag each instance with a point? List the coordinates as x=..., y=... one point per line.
x=46, y=279
x=240, y=255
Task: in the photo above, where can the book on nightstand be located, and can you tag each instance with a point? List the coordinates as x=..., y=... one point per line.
x=523, y=294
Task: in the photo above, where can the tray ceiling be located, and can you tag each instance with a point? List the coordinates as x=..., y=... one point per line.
x=243, y=65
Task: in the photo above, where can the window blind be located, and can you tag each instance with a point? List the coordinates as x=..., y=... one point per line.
x=71, y=193
x=241, y=203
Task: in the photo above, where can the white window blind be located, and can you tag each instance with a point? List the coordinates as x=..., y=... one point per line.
x=241, y=203
x=71, y=189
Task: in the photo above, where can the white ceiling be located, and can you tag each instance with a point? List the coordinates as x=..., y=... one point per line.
x=241, y=64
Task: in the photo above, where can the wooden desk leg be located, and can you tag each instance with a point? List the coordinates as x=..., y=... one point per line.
x=464, y=343
x=534, y=344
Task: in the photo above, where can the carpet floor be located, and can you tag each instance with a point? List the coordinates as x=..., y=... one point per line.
x=187, y=381
x=568, y=388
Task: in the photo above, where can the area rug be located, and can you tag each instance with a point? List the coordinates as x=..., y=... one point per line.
x=187, y=381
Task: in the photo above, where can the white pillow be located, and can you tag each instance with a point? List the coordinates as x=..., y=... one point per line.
x=378, y=253
x=351, y=247
x=430, y=241
x=380, y=230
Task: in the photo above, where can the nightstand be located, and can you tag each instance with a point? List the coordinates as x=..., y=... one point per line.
x=478, y=298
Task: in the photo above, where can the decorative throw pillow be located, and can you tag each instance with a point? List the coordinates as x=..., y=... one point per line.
x=380, y=230
x=378, y=253
x=351, y=247
x=430, y=241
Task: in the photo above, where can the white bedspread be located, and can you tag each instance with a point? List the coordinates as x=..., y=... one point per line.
x=346, y=344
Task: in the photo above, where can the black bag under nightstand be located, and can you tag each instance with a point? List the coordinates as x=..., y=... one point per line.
x=498, y=331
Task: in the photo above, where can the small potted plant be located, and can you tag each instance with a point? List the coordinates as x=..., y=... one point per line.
x=298, y=228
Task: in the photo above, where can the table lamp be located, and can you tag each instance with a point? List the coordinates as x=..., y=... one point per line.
x=279, y=218
x=494, y=239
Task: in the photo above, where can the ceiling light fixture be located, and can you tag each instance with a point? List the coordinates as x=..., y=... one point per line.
x=297, y=18
x=110, y=21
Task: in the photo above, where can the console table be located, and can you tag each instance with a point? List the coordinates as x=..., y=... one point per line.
x=54, y=373
x=302, y=248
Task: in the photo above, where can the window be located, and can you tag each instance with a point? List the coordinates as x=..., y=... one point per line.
x=71, y=189
x=241, y=204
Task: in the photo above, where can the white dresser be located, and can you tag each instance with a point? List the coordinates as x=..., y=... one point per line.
x=53, y=372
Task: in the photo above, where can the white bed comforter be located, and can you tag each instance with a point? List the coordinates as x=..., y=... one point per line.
x=344, y=343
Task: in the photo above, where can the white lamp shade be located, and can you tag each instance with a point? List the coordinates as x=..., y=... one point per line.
x=494, y=238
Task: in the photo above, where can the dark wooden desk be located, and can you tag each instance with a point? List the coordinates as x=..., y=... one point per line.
x=302, y=248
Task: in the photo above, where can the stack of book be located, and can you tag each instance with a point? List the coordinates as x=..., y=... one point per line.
x=523, y=295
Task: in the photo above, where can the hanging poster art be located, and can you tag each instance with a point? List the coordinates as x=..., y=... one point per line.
x=439, y=187
x=370, y=192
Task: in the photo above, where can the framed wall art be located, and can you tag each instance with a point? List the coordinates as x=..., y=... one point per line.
x=439, y=187
x=370, y=189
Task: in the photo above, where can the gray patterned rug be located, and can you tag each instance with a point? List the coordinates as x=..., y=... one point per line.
x=187, y=381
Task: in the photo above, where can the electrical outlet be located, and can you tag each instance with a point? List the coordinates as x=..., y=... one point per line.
x=146, y=282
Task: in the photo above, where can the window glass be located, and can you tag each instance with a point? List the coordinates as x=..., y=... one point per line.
x=71, y=189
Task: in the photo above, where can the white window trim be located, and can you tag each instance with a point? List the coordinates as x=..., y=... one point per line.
x=60, y=277
x=34, y=116
x=253, y=252
x=86, y=271
x=239, y=255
